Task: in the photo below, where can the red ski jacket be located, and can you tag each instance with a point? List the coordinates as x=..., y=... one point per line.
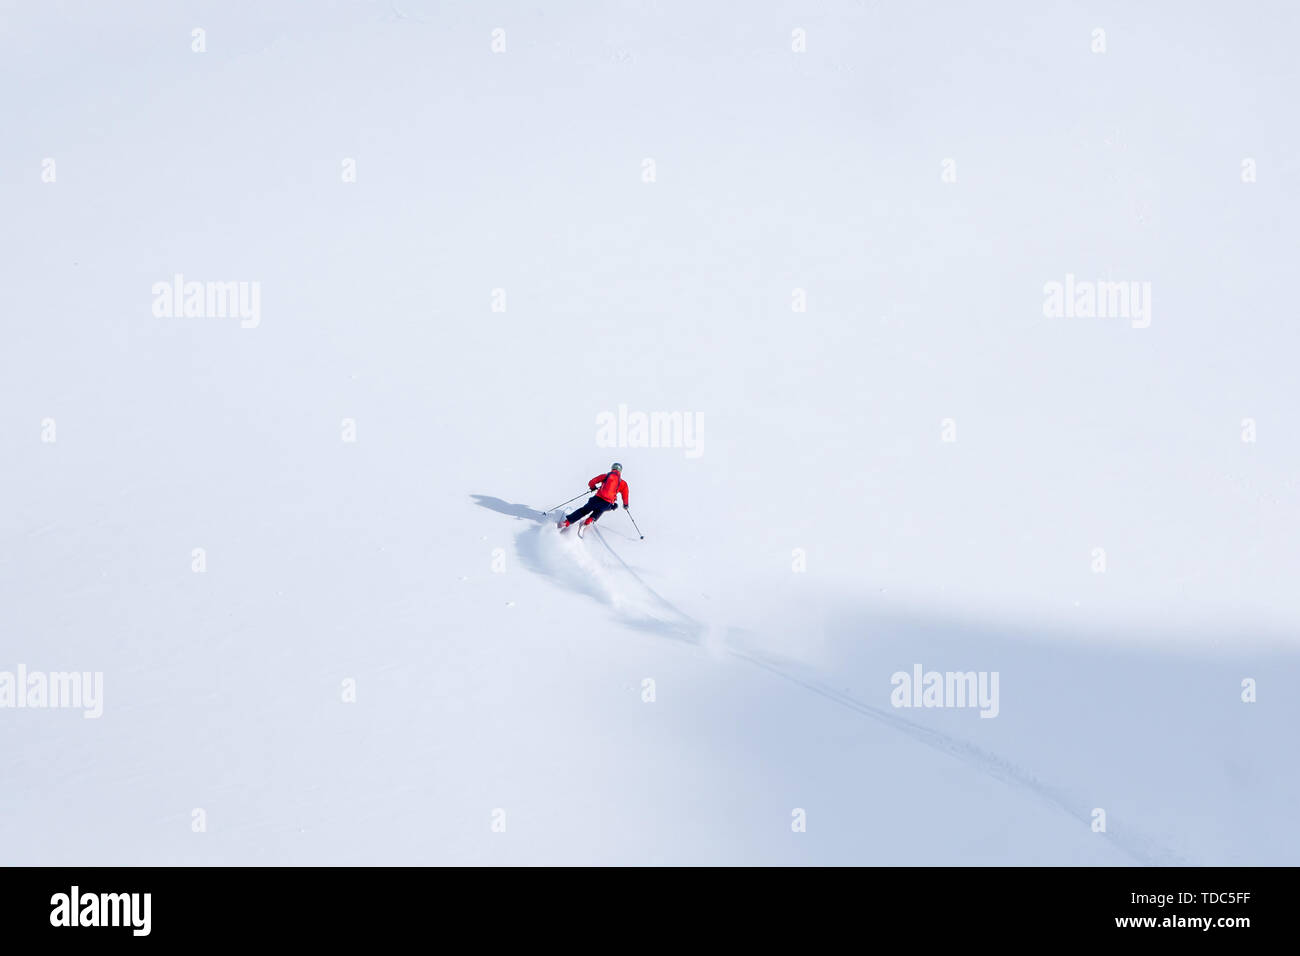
x=611, y=485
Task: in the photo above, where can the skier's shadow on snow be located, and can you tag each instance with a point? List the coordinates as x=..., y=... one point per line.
x=506, y=508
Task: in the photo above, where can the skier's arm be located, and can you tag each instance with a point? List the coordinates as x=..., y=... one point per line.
x=591, y=485
x=622, y=489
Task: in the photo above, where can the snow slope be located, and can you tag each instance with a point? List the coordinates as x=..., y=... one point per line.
x=825, y=538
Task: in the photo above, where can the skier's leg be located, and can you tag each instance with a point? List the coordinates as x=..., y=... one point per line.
x=601, y=506
x=584, y=510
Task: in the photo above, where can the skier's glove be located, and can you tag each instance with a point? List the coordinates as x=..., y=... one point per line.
x=615, y=505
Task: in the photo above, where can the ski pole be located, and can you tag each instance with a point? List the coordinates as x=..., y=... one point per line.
x=563, y=503
x=633, y=520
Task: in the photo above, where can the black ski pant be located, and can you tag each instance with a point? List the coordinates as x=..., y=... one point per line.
x=595, y=507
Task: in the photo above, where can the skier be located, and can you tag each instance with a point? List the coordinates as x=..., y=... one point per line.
x=611, y=485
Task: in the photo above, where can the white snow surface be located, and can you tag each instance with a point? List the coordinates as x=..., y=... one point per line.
x=825, y=538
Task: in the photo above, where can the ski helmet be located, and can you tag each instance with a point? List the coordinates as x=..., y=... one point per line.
x=616, y=467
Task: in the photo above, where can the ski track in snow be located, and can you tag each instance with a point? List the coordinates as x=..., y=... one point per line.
x=1141, y=849
x=567, y=560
